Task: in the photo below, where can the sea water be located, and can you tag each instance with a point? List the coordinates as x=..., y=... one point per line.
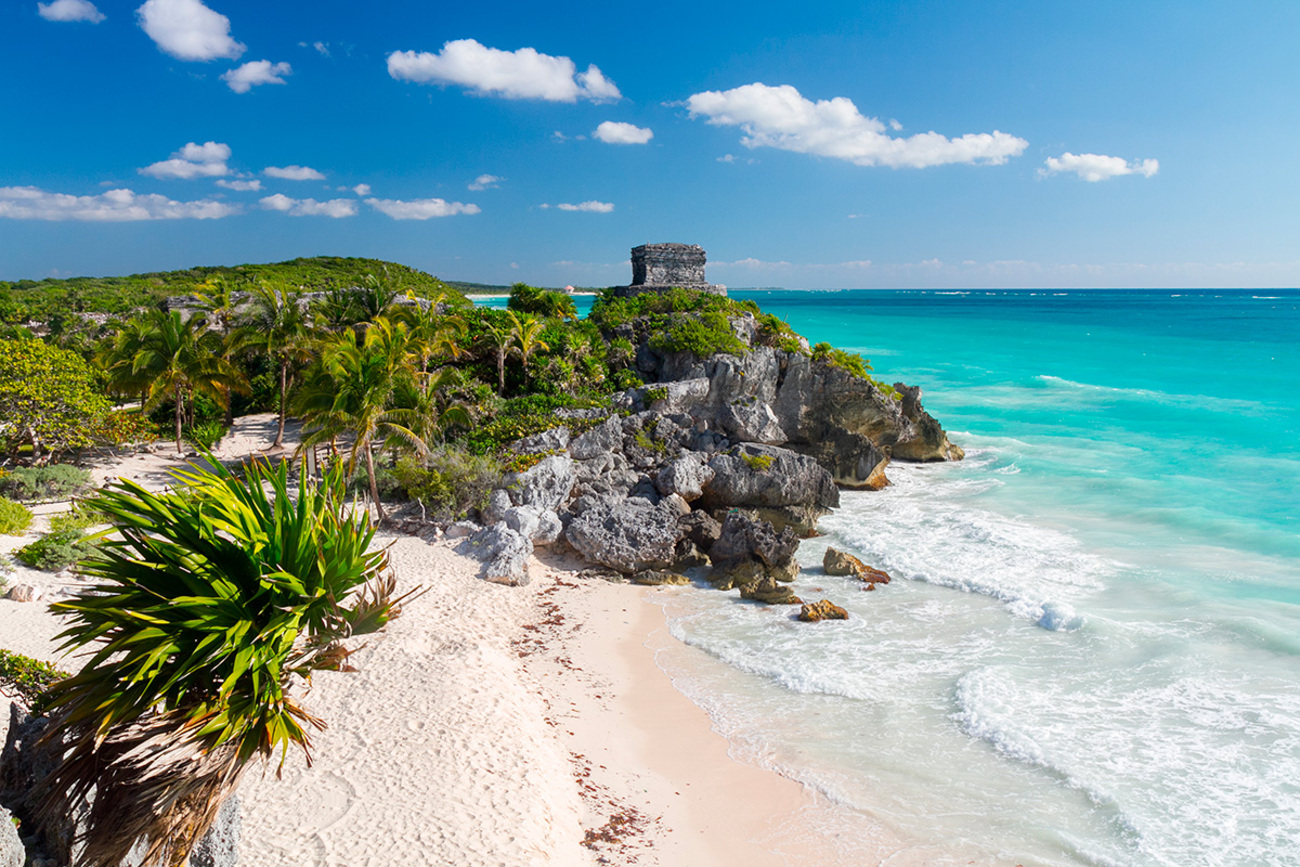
x=1090, y=653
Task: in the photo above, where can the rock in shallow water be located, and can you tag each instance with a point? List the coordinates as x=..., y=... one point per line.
x=822, y=610
x=839, y=563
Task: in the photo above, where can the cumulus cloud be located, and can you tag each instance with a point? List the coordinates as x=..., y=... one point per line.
x=244, y=78
x=362, y=189
x=616, y=132
x=522, y=74
x=113, y=206
x=310, y=207
x=592, y=207
x=780, y=117
x=241, y=186
x=188, y=30
x=293, y=173
x=70, y=10
x=207, y=160
x=1095, y=167
x=421, y=209
x=486, y=182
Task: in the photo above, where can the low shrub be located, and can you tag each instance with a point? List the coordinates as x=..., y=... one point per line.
x=541, y=302
x=515, y=418
x=82, y=517
x=702, y=334
x=623, y=379
x=658, y=392
x=205, y=434
x=15, y=518
x=45, y=484
x=448, y=482
x=54, y=552
x=757, y=463
x=27, y=678
x=126, y=427
x=850, y=362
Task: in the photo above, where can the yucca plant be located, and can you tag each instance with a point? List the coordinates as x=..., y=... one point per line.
x=213, y=603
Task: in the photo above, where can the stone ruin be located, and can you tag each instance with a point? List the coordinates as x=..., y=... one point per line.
x=661, y=267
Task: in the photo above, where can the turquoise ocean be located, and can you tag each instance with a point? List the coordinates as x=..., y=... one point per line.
x=1090, y=653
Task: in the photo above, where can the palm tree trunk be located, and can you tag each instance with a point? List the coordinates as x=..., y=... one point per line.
x=284, y=388
x=501, y=372
x=374, y=485
x=180, y=410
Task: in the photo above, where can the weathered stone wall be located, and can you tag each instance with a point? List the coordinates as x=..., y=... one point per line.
x=660, y=264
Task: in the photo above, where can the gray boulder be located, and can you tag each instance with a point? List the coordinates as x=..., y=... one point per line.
x=761, y=475
x=600, y=440
x=546, y=485
x=12, y=851
x=554, y=440
x=497, y=505
x=540, y=526
x=685, y=476
x=503, y=552
x=745, y=537
x=626, y=534
x=462, y=529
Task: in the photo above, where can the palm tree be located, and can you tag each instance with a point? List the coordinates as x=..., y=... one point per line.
x=212, y=606
x=433, y=334
x=525, y=337
x=219, y=302
x=277, y=325
x=497, y=338
x=353, y=392
x=167, y=357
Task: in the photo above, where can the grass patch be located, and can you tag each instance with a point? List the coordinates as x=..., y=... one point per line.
x=15, y=518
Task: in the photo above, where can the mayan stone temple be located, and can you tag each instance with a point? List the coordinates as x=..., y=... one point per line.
x=660, y=267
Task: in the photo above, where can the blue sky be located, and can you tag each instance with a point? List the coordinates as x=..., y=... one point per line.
x=975, y=144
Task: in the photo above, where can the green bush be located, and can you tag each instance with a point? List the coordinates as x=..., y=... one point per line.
x=530, y=414
x=27, y=677
x=757, y=463
x=658, y=392
x=703, y=334
x=448, y=482
x=45, y=484
x=54, y=552
x=850, y=362
x=623, y=379
x=205, y=434
x=82, y=517
x=14, y=518
x=541, y=302
x=610, y=310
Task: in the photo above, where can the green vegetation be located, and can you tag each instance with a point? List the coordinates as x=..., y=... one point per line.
x=702, y=334
x=15, y=518
x=644, y=441
x=757, y=463
x=56, y=551
x=542, y=302
x=82, y=517
x=518, y=417
x=27, y=678
x=48, y=484
x=212, y=607
x=447, y=482
x=610, y=310
x=43, y=300
x=656, y=393
x=849, y=362
x=49, y=398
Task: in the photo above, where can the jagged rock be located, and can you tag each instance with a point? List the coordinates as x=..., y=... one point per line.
x=853, y=460
x=753, y=421
x=736, y=572
x=840, y=563
x=659, y=576
x=23, y=593
x=701, y=528
x=549, y=528
x=645, y=489
x=524, y=520
x=497, y=506
x=504, y=553
x=745, y=537
x=12, y=851
x=602, y=439
x=554, y=440
x=627, y=534
x=769, y=592
x=685, y=476
x=462, y=529
x=547, y=485
x=801, y=519
x=762, y=475
x=687, y=555
x=823, y=610
x=929, y=442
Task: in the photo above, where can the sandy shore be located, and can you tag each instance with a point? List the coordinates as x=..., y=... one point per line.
x=488, y=725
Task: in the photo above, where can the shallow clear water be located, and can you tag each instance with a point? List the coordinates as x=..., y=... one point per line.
x=1091, y=651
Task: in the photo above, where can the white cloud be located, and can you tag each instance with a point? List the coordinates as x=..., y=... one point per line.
x=592, y=207
x=522, y=74
x=207, y=160
x=70, y=10
x=486, y=182
x=188, y=30
x=244, y=78
x=615, y=132
x=32, y=203
x=241, y=186
x=310, y=207
x=293, y=173
x=1095, y=167
x=780, y=117
x=420, y=209
x=322, y=48
x=362, y=189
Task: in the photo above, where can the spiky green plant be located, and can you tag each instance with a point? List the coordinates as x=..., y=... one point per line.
x=212, y=603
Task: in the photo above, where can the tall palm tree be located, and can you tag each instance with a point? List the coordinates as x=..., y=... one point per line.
x=353, y=394
x=526, y=338
x=277, y=325
x=219, y=301
x=497, y=338
x=434, y=335
x=170, y=358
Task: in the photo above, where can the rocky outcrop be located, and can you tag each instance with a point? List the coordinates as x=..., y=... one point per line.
x=546, y=485
x=822, y=610
x=839, y=563
x=12, y=851
x=504, y=553
x=748, y=551
x=685, y=476
x=768, y=476
x=930, y=443
x=655, y=577
x=769, y=592
x=628, y=534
